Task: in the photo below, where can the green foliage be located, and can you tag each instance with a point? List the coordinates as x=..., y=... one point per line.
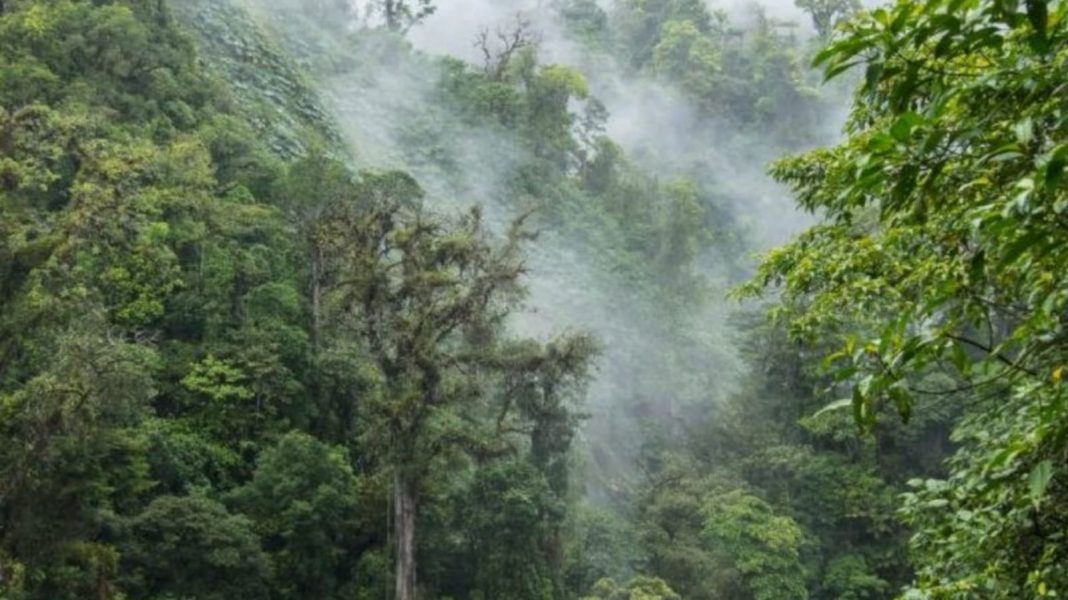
x=838, y=491
x=110, y=55
x=114, y=227
x=70, y=454
x=602, y=544
x=183, y=460
x=672, y=526
x=826, y=14
x=257, y=91
x=685, y=55
x=191, y=547
x=850, y=578
x=402, y=15
x=227, y=360
x=510, y=519
x=762, y=547
x=915, y=281
x=752, y=77
x=303, y=503
x=639, y=588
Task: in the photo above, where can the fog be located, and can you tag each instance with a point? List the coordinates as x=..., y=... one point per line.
x=655, y=367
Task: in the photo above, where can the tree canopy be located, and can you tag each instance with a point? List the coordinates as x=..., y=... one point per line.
x=940, y=254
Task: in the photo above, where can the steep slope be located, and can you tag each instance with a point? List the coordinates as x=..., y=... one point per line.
x=267, y=87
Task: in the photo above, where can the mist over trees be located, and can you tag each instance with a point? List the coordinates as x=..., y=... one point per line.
x=294, y=304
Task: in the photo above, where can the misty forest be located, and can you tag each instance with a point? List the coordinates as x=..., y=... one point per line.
x=533, y=299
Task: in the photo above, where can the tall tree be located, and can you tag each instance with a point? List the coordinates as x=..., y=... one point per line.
x=828, y=13
x=402, y=15
x=429, y=298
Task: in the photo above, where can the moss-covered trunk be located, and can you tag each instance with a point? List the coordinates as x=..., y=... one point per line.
x=405, y=503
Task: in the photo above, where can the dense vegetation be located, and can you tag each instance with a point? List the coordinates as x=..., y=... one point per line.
x=941, y=259
x=238, y=361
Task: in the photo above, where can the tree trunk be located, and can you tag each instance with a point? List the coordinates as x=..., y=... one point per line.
x=392, y=10
x=316, y=293
x=405, y=503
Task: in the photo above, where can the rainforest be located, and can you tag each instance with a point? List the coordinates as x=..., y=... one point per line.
x=533, y=299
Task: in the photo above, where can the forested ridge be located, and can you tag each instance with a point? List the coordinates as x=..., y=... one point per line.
x=295, y=304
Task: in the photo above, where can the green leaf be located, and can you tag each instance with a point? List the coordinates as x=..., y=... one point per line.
x=903, y=126
x=1055, y=163
x=833, y=406
x=1038, y=480
x=902, y=401
x=1020, y=246
x=839, y=68
x=1009, y=151
x=1024, y=131
x=873, y=74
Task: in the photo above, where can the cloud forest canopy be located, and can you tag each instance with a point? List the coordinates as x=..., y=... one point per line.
x=294, y=307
